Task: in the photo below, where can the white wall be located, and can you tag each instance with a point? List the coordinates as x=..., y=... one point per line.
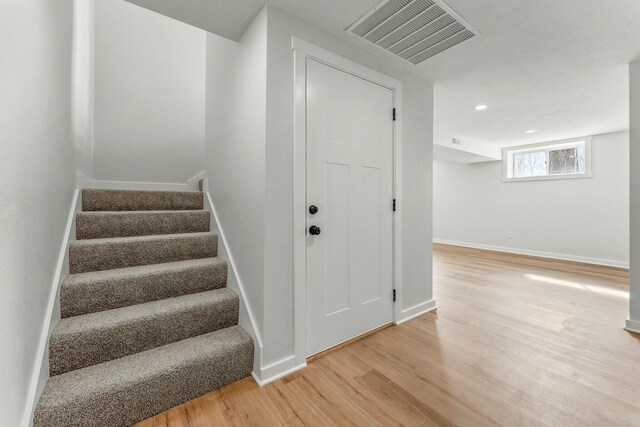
x=36, y=171
x=82, y=84
x=149, y=95
x=250, y=168
x=634, y=125
x=583, y=219
x=417, y=136
x=236, y=111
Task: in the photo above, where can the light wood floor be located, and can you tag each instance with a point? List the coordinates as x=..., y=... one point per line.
x=516, y=341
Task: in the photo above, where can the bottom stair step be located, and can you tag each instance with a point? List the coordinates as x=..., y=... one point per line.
x=126, y=390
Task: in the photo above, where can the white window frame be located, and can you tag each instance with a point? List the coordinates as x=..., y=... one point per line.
x=508, y=154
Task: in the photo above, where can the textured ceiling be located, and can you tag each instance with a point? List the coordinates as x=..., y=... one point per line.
x=558, y=66
x=555, y=66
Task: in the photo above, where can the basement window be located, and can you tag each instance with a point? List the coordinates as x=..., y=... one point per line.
x=549, y=160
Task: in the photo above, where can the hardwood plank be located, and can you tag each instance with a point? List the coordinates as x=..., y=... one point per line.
x=404, y=404
x=516, y=340
x=348, y=342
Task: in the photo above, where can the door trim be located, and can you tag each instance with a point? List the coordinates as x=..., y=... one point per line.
x=301, y=51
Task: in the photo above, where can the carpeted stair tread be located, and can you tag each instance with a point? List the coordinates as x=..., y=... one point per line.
x=105, y=254
x=147, y=322
x=81, y=341
x=126, y=390
x=140, y=200
x=95, y=291
x=104, y=224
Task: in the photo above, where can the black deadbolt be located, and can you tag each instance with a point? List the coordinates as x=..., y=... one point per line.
x=313, y=209
x=314, y=230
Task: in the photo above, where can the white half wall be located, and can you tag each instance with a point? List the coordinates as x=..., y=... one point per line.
x=37, y=175
x=577, y=219
x=235, y=153
x=633, y=323
x=149, y=96
x=417, y=150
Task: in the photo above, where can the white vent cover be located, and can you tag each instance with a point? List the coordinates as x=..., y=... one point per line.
x=414, y=30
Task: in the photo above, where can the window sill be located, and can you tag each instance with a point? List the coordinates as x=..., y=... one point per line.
x=549, y=177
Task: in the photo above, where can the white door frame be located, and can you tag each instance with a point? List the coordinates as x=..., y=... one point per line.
x=301, y=51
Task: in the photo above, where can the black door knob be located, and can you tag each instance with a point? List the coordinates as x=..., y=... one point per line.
x=313, y=209
x=314, y=230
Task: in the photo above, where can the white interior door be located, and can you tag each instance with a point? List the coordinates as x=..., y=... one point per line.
x=350, y=181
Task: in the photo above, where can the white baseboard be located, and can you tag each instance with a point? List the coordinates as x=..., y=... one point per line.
x=191, y=184
x=83, y=181
x=415, y=311
x=540, y=254
x=632, y=326
x=194, y=180
x=40, y=373
x=277, y=370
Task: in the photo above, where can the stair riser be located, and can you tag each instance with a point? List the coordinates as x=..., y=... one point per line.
x=73, y=351
x=79, y=297
x=96, y=255
x=98, y=225
x=127, y=200
x=114, y=399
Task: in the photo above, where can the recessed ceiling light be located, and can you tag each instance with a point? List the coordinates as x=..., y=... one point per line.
x=530, y=131
x=481, y=107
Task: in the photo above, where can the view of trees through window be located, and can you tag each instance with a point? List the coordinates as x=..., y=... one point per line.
x=530, y=164
x=550, y=161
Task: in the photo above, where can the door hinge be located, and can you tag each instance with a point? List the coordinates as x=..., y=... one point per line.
x=394, y=114
x=394, y=295
x=394, y=205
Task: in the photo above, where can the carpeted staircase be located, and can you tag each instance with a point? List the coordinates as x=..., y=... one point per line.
x=147, y=321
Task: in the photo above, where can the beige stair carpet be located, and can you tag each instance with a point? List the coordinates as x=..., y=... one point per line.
x=94, y=291
x=96, y=225
x=147, y=320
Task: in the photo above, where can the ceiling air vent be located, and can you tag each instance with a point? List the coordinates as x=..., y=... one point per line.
x=414, y=30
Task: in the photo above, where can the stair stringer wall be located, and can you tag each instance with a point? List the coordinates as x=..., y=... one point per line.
x=52, y=316
x=246, y=317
